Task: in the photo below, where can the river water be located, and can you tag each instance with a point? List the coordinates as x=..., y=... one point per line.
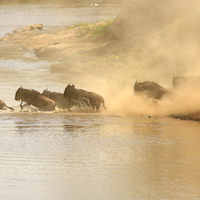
x=76, y=156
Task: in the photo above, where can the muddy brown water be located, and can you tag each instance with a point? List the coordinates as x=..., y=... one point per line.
x=61, y=155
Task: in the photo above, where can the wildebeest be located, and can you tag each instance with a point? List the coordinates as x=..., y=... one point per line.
x=186, y=82
x=3, y=106
x=152, y=90
x=89, y=98
x=33, y=97
x=59, y=98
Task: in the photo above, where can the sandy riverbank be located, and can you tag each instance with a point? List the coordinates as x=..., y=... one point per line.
x=60, y=45
x=68, y=51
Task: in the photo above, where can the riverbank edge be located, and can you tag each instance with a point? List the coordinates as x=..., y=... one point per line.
x=67, y=48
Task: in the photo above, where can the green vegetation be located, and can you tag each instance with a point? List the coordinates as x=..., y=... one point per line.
x=93, y=30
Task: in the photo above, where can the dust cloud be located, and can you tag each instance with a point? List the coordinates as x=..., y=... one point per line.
x=155, y=40
x=162, y=38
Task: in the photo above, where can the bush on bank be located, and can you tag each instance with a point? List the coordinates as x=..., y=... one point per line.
x=93, y=30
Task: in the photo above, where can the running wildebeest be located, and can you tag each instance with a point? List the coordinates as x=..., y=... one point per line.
x=152, y=90
x=186, y=82
x=63, y=102
x=33, y=97
x=59, y=98
x=89, y=98
x=3, y=106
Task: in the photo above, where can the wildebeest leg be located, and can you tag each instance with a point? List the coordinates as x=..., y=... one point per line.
x=69, y=105
x=69, y=108
x=81, y=104
x=104, y=105
x=98, y=105
x=93, y=106
x=22, y=106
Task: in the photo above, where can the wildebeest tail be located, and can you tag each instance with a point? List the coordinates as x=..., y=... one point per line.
x=9, y=107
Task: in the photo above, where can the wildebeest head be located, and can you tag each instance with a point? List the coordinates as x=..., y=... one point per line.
x=146, y=85
x=138, y=86
x=23, y=94
x=18, y=94
x=69, y=90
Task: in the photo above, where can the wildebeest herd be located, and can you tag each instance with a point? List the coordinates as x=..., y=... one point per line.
x=48, y=101
x=73, y=97
x=155, y=91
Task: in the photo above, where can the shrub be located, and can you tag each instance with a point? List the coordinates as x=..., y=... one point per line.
x=93, y=31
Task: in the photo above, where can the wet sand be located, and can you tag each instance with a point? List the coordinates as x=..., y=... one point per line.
x=61, y=45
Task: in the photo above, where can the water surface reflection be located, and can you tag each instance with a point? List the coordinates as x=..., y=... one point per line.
x=94, y=156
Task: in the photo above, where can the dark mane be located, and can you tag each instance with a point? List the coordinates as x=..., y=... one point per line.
x=59, y=98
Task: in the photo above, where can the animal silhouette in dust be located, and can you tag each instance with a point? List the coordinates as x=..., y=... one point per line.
x=152, y=90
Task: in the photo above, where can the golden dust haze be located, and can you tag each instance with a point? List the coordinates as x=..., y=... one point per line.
x=163, y=38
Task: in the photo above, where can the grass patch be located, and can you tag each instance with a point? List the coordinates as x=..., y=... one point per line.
x=93, y=30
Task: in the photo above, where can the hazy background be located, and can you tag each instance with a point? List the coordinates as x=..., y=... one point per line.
x=61, y=1
x=163, y=39
x=165, y=33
